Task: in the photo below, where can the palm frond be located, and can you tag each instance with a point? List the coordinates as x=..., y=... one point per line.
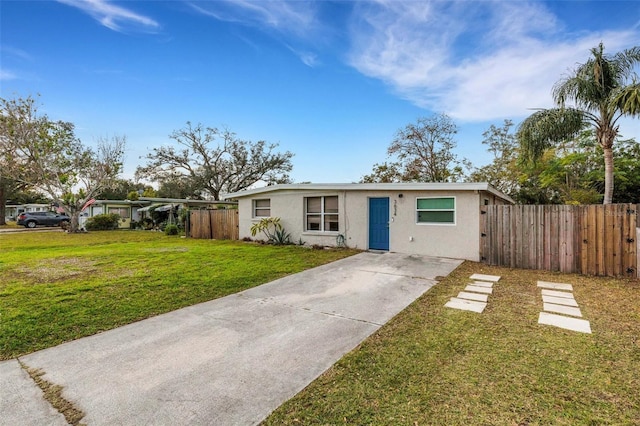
x=627, y=100
x=592, y=84
x=628, y=59
x=546, y=128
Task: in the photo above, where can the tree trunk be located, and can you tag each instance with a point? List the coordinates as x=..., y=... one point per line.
x=3, y=202
x=608, y=176
x=75, y=221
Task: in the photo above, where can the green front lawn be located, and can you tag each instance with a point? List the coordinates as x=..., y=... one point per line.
x=57, y=287
x=433, y=365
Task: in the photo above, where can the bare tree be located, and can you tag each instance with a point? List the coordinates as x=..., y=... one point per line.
x=425, y=150
x=216, y=161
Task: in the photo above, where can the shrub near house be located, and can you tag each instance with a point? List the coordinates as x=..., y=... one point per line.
x=103, y=222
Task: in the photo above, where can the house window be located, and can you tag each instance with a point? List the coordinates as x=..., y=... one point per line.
x=321, y=214
x=122, y=211
x=262, y=208
x=436, y=210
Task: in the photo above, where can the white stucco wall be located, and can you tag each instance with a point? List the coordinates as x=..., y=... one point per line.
x=460, y=241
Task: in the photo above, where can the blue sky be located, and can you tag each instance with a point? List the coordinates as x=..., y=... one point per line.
x=330, y=81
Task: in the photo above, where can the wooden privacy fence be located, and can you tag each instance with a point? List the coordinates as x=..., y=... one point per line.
x=592, y=239
x=214, y=224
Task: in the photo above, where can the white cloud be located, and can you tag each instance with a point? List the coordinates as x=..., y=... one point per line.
x=17, y=53
x=474, y=60
x=403, y=44
x=511, y=81
x=114, y=17
x=296, y=18
x=308, y=58
x=294, y=21
x=21, y=55
x=7, y=75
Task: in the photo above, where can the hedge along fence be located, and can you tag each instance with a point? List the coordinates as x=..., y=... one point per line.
x=214, y=224
x=591, y=240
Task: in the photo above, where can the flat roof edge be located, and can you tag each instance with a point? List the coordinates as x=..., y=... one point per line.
x=406, y=186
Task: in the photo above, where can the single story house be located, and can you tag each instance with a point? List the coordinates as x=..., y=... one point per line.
x=128, y=211
x=135, y=210
x=11, y=211
x=435, y=219
x=188, y=203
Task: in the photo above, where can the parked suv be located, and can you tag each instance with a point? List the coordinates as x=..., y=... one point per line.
x=33, y=219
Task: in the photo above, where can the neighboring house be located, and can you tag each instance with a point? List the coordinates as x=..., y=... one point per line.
x=435, y=219
x=126, y=209
x=135, y=210
x=175, y=205
x=186, y=203
x=13, y=210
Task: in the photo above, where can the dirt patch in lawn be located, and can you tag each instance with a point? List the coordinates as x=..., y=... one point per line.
x=167, y=250
x=53, y=270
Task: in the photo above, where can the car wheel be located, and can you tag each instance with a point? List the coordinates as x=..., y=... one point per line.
x=31, y=224
x=64, y=224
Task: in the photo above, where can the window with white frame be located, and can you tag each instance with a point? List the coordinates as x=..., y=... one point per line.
x=262, y=208
x=321, y=214
x=440, y=210
x=122, y=211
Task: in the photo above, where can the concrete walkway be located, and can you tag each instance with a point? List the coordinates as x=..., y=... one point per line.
x=230, y=361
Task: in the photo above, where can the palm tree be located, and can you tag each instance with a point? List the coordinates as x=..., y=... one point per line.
x=603, y=89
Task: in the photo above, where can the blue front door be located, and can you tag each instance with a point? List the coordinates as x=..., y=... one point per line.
x=379, y=223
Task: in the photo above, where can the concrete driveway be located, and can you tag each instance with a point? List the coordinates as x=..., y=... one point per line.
x=229, y=361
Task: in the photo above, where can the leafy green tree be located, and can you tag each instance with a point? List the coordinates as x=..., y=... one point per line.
x=627, y=172
x=216, y=161
x=384, y=173
x=27, y=197
x=602, y=89
x=626, y=169
x=179, y=186
x=569, y=173
x=120, y=190
x=123, y=189
x=503, y=172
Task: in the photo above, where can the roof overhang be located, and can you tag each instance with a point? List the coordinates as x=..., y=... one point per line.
x=405, y=186
x=120, y=203
x=186, y=202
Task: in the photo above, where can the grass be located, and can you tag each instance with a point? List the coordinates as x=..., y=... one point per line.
x=57, y=287
x=53, y=394
x=433, y=365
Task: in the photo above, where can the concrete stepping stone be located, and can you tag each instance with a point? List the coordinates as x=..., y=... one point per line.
x=555, y=293
x=466, y=305
x=482, y=284
x=483, y=277
x=568, y=323
x=560, y=301
x=476, y=289
x=473, y=296
x=561, y=309
x=555, y=286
